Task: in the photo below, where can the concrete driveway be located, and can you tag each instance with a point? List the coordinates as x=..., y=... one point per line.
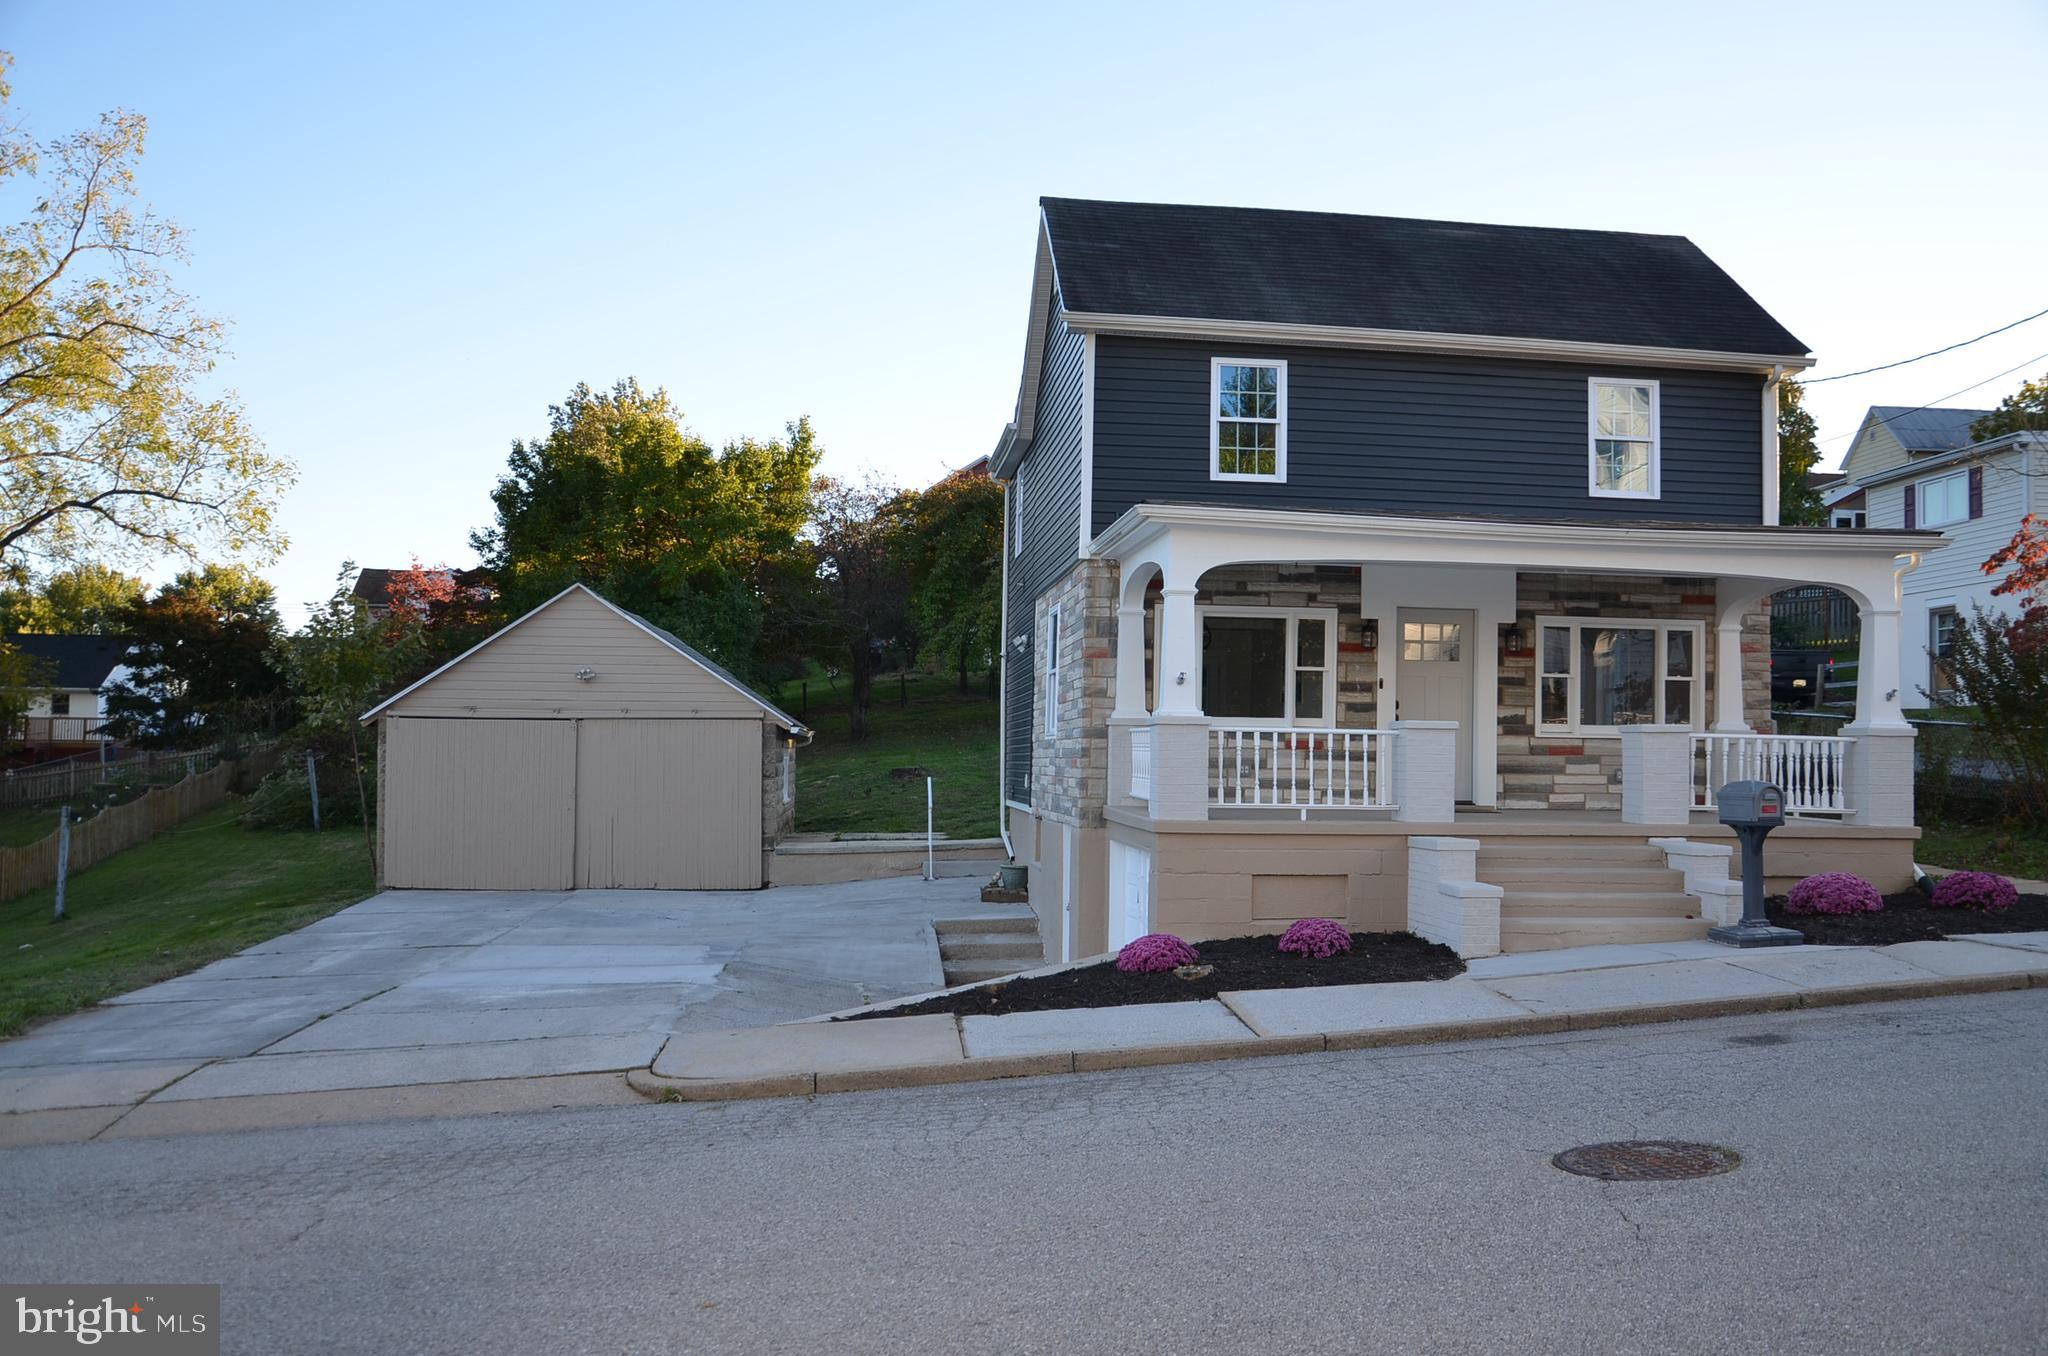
x=417, y=987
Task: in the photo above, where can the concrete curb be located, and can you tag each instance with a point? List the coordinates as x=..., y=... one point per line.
x=656, y=1087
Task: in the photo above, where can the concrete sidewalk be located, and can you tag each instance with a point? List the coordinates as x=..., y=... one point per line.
x=416, y=988
x=1545, y=991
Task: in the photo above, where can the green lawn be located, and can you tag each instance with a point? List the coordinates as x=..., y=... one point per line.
x=200, y=891
x=1971, y=847
x=843, y=787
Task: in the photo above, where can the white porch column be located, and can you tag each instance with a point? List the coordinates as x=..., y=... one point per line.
x=1180, y=653
x=1180, y=732
x=1426, y=771
x=1656, y=774
x=1733, y=600
x=1879, y=677
x=1879, y=774
x=1130, y=660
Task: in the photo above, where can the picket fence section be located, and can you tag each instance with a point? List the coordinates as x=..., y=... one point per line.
x=119, y=827
x=75, y=776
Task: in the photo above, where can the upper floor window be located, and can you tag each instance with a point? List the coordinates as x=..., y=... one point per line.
x=1944, y=500
x=1622, y=433
x=1247, y=419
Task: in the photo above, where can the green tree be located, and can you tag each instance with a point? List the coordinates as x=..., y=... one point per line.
x=1799, y=504
x=86, y=600
x=861, y=598
x=2026, y=408
x=199, y=670
x=23, y=679
x=109, y=447
x=953, y=547
x=621, y=497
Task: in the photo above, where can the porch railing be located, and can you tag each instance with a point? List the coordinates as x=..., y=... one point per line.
x=1141, y=763
x=1810, y=769
x=1302, y=769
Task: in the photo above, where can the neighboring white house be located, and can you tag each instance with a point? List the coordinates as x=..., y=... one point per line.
x=81, y=668
x=1974, y=493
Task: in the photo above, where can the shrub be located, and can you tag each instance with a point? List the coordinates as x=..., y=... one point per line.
x=1155, y=952
x=1321, y=938
x=1979, y=890
x=281, y=801
x=1834, y=892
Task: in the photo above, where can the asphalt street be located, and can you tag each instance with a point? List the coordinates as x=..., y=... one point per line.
x=1893, y=1198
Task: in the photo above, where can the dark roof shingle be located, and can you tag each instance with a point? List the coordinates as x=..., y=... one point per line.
x=1395, y=273
x=1923, y=429
x=77, y=662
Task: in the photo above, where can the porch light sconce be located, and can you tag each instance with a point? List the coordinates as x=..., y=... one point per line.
x=1371, y=636
x=1514, y=640
x=586, y=675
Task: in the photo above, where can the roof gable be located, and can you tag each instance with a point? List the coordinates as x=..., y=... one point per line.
x=536, y=667
x=1262, y=266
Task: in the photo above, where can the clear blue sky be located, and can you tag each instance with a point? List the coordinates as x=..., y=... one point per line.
x=429, y=221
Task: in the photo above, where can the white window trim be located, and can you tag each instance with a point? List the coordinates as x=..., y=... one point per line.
x=1052, y=671
x=1656, y=490
x=1216, y=471
x=1920, y=488
x=1662, y=626
x=1323, y=719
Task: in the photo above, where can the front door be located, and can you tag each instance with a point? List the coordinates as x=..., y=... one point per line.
x=1434, y=681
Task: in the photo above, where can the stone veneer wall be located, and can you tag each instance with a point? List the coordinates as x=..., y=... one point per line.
x=1331, y=586
x=1070, y=772
x=1567, y=772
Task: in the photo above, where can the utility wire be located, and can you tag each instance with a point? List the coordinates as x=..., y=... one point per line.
x=1886, y=367
x=1938, y=399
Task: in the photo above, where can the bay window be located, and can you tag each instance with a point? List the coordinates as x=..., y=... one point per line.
x=1269, y=666
x=1598, y=675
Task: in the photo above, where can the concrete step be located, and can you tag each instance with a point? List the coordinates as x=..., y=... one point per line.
x=1590, y=876
x=1606, y=854
x=1548, y=934
x=1613, y=904
x=973, y=972
x=991, y=946
x=1006, y=922
x=981, y=867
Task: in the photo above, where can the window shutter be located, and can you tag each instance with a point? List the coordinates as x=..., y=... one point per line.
x=1911, y=496
x=1976, y=492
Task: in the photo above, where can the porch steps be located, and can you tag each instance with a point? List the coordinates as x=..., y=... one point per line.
x=973, y=949
x=1587, y=894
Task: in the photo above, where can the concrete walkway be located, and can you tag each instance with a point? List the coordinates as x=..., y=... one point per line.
x=413, y=988
x=1545, y=991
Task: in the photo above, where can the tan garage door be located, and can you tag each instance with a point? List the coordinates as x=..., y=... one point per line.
x=480, y=804
x=668, y=804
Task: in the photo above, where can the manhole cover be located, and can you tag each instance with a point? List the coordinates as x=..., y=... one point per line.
x=1648, y=1160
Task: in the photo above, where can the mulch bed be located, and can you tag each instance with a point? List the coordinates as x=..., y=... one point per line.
x=1240, y=963
x=1908, y=917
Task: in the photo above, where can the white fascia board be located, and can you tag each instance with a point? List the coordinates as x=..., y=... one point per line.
x=1044, y=287
x=1482, y=345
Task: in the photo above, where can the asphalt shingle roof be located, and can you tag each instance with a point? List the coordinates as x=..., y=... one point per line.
x=1928, y=430
x=1397, y=273
x=78, y=662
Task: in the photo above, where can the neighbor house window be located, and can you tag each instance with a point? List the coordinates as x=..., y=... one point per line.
x=1944, y=500
x=1247, y=419
x=1600, y=675
x=1622, y=432
x=1052, y=672
x=1941, y=648
x=60, y=703
x=1845, y=518
x=1269, y=666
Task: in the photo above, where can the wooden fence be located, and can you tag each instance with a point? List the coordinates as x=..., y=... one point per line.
x=75, y=776
x=119, y=827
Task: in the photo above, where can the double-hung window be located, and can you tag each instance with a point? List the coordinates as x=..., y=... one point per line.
x=1944, y=500
x=1622, y=435
x=1247, y=419
x=1269, y=666
x=1941, y=648
x=1052, y=672
x=1599, y=675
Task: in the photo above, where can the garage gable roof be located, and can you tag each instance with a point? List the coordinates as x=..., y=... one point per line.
x=666, y=638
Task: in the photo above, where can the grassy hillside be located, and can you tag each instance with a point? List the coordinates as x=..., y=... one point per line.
x=843, y=787
x=195, y=893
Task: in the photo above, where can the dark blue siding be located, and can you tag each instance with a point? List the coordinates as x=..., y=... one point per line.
x=1047, y=491
x=1400, y=433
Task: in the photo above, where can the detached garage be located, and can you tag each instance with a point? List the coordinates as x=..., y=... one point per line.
x=581, y=747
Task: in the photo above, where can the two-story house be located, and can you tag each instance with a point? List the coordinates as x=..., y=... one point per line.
x=1409, y=573
x=1922, y=469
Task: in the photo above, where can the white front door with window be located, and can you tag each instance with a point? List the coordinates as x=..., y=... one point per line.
x=1435, y=678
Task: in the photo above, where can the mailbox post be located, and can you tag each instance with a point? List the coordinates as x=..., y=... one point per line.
x=1753, y=809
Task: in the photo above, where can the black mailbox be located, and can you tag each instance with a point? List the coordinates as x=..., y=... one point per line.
x=1752, y=809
